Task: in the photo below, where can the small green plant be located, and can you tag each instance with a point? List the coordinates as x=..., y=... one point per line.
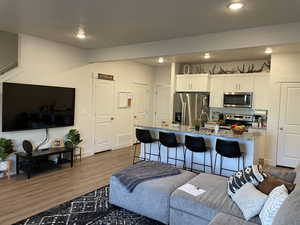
x=6, y=148
x=72, y=138
x=196, y=122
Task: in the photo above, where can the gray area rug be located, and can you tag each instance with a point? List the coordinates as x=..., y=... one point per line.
x=90, y=209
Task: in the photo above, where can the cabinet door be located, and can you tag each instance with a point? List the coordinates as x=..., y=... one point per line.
x=183, y=83
x=230, y=84
x=199, y=83
x=238, y=84
x=245, y=84
x=216, y=92
x=261, y=96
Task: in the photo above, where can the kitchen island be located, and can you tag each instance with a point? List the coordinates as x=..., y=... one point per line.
x=251, y=144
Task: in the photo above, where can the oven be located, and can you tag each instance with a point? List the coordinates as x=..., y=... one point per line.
x=238, y=99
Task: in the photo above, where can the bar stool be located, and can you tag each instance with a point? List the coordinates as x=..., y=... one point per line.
x=197, y=145
x=169, y=140
x=144, y=137
x=228, y=149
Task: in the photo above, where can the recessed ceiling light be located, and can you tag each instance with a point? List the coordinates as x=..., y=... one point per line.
x=268, y=51
x=235, y=5
x=206, y=56
x=81, y=34
x=161, y=60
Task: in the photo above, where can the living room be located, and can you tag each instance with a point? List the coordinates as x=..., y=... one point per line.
x=123, y=77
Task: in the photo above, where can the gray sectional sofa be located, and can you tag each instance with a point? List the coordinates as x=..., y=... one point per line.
x=161, y=200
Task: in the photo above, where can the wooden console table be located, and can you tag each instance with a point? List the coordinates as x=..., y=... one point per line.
x=30, y=162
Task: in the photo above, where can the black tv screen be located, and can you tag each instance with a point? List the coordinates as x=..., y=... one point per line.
x=26, y=107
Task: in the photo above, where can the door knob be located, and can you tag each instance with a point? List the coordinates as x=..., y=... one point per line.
x=134, y=117
x=281, y=128
x=111, y=118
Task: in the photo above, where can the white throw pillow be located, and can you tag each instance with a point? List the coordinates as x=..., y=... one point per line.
x=276, y=198
x=250, y=200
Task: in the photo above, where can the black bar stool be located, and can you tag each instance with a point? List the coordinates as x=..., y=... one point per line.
x=228, y=149
x=169, y=140
x=144, y=137
x=197, y=145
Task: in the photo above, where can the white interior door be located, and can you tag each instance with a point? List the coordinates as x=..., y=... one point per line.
x=288, y=153
x=141, y=104
x=162, y=104
x=104, y=102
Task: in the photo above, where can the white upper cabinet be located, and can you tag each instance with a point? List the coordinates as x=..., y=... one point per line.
x=216, y=91
x=238, y=83
x=194, y=82
x=261, y=93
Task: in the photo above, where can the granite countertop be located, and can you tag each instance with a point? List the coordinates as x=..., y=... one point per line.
x=202, y=131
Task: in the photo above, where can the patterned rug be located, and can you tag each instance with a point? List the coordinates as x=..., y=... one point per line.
x=90, y=209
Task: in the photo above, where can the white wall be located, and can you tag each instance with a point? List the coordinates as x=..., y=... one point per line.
x=284, y=68
x=45, y=62
x=162, y=75
x=127, y=75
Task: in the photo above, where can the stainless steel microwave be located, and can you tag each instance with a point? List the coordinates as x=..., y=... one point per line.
x=238, y=99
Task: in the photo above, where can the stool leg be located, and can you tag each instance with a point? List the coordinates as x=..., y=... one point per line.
x=159, y=156
x=216, y=156
x=211, y=163
x=221, y=165
x=184, y=157
x=204, y=161
x=192, y=161
x=145, y=153
x=176, y=157
x=150, y=155
x=167, y=155
x=243, y=161
x=134, y=146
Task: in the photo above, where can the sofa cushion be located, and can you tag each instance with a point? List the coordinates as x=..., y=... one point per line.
x=210, y=203
x=150, y=198
x=272, y=182
x=289, y=212
x=250, y=200
x=273, y=204
x=251, y=174
x=283, y=174
x=297, y=179
x=225, y=219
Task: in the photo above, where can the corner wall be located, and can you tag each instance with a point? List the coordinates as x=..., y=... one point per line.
x=284, y=68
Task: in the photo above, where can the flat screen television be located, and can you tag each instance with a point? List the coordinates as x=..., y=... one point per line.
x=27, y=107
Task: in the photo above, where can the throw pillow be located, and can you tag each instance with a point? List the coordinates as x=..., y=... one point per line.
x=273, y=204
x=271, y=182
x=251, y=174
x=250, y=200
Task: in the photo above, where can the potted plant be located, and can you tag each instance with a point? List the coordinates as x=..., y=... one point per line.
x=196, y=123
x=72, y=139
x=6, y=148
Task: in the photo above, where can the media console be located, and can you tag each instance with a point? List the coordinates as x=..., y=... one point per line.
x=38, y=161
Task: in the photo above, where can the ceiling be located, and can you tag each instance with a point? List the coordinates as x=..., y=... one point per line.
x=222, y=56
x=121, y=22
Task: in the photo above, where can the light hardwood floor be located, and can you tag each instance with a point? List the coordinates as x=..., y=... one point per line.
x=21, y=198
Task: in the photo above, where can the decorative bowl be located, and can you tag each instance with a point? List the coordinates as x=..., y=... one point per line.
x=238, y=131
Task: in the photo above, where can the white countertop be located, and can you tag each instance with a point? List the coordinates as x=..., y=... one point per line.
x=203, y=131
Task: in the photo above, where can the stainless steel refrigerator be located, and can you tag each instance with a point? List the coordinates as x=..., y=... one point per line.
x=189, y=106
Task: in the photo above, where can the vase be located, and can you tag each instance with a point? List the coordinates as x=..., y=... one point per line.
x=197, y=127
x=4, y=165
